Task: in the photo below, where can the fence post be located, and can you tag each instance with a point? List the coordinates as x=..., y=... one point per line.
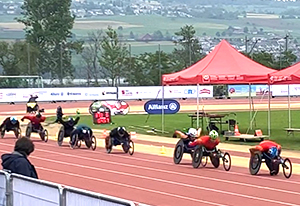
x=9, y=189
x=62, y=196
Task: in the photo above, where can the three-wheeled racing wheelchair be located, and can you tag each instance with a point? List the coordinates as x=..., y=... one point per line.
x=200, y=153
x=11, y=124
x=83, y=133
x=119, y=136
x=35, y=125
x=258, y=157
x=32, y=107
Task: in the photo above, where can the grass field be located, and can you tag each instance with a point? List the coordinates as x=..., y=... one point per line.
x=143, y=124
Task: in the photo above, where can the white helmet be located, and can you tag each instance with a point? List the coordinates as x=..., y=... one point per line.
x=192, y=132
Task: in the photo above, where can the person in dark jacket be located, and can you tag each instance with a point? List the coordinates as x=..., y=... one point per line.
x=17, y=162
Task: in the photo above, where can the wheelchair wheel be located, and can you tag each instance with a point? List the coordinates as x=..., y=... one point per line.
x=215, y=159
x=94, y=142
x=18, y=133
x=197, y=156
x=28, y=130
x=2, y=132
x=255, y=163
x=60, y=136
x=287, y=167
x=226, y=161
x=46, y=135
x=204, y=161
x=109, y=148
x=178, y=152
x=131, y=147
x=78, y=144
x=75, y=139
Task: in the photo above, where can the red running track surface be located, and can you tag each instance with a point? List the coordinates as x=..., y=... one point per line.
x=156, y=180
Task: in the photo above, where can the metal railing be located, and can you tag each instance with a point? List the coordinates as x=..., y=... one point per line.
x=19, y=190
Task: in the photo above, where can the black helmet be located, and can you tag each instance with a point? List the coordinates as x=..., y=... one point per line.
x=121, y=131
x=38, y=115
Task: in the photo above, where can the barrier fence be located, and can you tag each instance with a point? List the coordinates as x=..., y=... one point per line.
x=18, y=190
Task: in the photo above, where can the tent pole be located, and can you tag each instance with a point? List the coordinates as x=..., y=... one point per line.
x=269, y=110
x=163, y=110
x=250, y=107
x=198, y=107
x=289, y=104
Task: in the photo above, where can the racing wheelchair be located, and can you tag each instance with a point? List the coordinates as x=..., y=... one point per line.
x=126, y=143
x=78, y=135
x=32, y=107
x=258, y=157
x=31, y=128
x=201, y=154
x=17, y=132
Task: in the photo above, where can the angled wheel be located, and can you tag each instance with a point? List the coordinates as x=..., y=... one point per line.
x=28, y=130
x=60, y=136
x=46, y=135
x=94, y=142
x=215, y=159
x=255, y=163
x=131, y=147
x=178, y=152
x=197, y=156
x=287, y=167
x=18, y=133
x=204, y=161
x=2, y=132
x=74, y=141
x=108, y=145
x=226, y=161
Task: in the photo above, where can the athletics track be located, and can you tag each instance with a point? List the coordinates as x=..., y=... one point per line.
x=151, y=177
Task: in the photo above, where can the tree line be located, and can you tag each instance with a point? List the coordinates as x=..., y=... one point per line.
x=48, y=50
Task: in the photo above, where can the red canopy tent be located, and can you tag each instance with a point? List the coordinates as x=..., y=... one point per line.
x=290, y=75
x=224, y=65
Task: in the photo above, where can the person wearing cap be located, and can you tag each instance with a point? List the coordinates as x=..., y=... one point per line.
x=17, y=162
x=271, y=150
x=117, y=135
x=9, y=124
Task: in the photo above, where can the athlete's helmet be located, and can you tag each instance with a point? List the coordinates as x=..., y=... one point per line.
x=192, y=132
x=273, y=151
x=13, y=120
x=213, y=134
x=121, y=131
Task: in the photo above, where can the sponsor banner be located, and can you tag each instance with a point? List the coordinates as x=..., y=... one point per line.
x=170, y=106
x=283, y=90
x=241, y=90
x=116, y=107
x=59, y=94
x=170, y=92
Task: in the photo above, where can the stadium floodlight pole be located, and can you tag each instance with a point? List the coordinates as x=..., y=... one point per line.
x=28, y=56
x=159, y=63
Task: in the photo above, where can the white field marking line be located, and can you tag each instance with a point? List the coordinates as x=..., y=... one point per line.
x=164, y=181
x=178, y=173
x=165, y=163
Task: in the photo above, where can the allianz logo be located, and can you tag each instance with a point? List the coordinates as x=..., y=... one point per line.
x=171, y=106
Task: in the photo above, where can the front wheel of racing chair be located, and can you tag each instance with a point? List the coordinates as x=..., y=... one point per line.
x=18, y=133
x=129, y=147
x=178, y=152
x=226, y=161
x=287, y=168
x=108, y=144
x=197, y=156
x=60, y=136
x=94, y=142
x=28, y=130
x=74, y=143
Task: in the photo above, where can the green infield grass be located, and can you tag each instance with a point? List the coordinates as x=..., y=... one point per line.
x=152, y=125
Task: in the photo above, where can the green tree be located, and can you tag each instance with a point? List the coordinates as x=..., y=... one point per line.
x=48, y=27
x=189, y=50
x=113, y=56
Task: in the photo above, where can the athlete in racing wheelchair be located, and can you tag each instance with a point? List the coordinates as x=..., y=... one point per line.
x=67, y=126
x=11, y=124
x=83, y=133
x=269, y=152
x=35, y=126
x=32, y=106
x=201, y=147
x=119, y=136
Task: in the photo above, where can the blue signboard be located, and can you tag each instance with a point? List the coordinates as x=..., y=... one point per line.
x=170, y=106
